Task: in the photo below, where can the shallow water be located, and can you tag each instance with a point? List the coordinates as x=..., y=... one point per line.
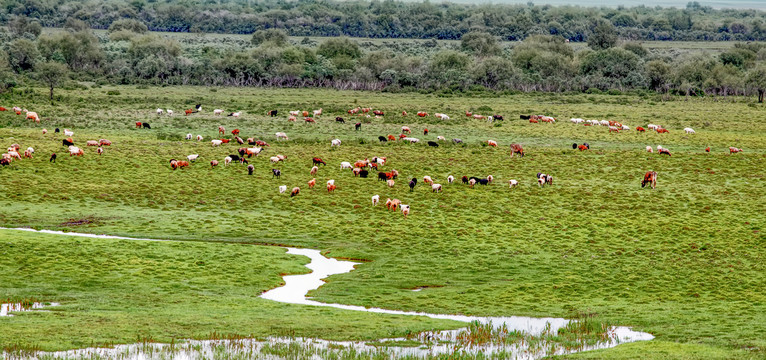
x=7, y=309
x=294, y=292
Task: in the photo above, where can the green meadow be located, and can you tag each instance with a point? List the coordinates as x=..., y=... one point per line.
x=684, y=262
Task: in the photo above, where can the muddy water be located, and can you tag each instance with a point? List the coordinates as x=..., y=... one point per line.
x=294, y=292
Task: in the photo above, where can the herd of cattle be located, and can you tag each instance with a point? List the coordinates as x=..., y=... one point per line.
x=359, y=168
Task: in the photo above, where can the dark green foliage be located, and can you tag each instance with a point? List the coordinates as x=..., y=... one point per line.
x=604, y=36
x=131, y=25
x=480, y=44
x=276, y=36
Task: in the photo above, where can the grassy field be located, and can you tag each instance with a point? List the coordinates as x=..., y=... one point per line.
x=684, y=262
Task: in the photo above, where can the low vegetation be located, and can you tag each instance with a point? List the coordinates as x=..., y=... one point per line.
x=683, y=262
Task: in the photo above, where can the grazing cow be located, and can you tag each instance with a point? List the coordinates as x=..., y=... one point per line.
x=100, y=150
x=574, y=146
x=305, y=113
x=464, y=179
x=73, y=151
x=217, y=111
x=274, y=159
x=45, y=131
x=173, y=162
x=5, y=162
x=318, y=113
x=457, y=141
x=281, y=135
x=330, y=188
x=282, y=189
x=235, y=114
x=436, y=188
x=68, y=133
x=317, y=161
x=391, y=138
x=312, y=182
x=512, y=183
x=276, y=173
x=335, y=142
x=517, y=149
x=296, y=113
x=543, y=179
x=450, y=179
x=239, y=140
x=292, y=119
x=640, y=129
x=309, y=120
x=358, y=126
x=378, y=113
x=28, y=153
x=193, y=157
x=346, y=165
x=331, y=182
x=614, y=129
x=104, y=142
x=361, y=163
x=662, y=131
x=472, y=182
x=405, y=210
x=235, y=132
x=382, y=176
x=413, y=182
x=390, y=183
x=273, y=113
x=433, y=144
x=213, y=163
x=339, y=119
x=145, y=125
x=425, y=132
x=650, y=178
x=382, y=139
x=406, y=129
x=33, y=116
x=492, y=143
x=411, y=139
x=67, y=142
x=649, y=149
x=227, y=160
x=664, y=151
x=533, y=121
x=734, y=150
x=216, y=142
x=296, y=191
x=404, y=113
x=91, y=143
x=422, y=114
x=356, y=171
x=375, y=200
x=490, y=178
x=363, y=173
x=427, y=180
x=314, y=170
x=582, y=147
x=689, y=130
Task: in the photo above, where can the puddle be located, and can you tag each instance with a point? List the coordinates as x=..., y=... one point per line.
x=531, y=342
x=7, y=309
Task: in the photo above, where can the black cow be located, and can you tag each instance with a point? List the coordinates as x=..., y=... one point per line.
x=587, y=146
x=5, y=162
x=250, y=169
x=364, y=173
x=524, y=117
x=457, y=141
x=340, y=120
x=483, y=181
x=433, y=144
x=273, y=113
x=498, y=117
x=382, y=176
x=358, y=126
x=465, y=179
x=146, y=125
x=57, y=131
x=413, y=182
x=53, y=158
x=66, y=142
x=275, y=172
x=574, y=146
x=382, y=139
x=234, y=157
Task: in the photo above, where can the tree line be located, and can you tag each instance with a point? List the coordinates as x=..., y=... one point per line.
x=399, y=19
x=130, y=54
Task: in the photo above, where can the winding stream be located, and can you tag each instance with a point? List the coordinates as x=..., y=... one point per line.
x=295, y=291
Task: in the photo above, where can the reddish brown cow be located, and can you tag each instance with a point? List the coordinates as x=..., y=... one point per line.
x=650, y=178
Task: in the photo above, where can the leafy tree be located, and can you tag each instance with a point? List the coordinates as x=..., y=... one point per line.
x=51, y=73
x=635, y=48
x=22, y=26
x=756, y=79
x=277, y=36
x=131, y=25
x=738, y=57
x=80, y=50
x=658, y=73
x=624, y=20
x=604, y=36
x=610, y=63
x=22, y=55
x=339, y=47
x=75, y=25
x=480, y=43
x=494, y=72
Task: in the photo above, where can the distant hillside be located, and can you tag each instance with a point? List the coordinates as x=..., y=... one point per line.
x=715, y=4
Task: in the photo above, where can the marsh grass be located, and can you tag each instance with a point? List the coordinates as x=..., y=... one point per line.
x=683, y=262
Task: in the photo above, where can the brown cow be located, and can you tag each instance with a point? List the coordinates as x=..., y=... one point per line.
x=650, y=178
